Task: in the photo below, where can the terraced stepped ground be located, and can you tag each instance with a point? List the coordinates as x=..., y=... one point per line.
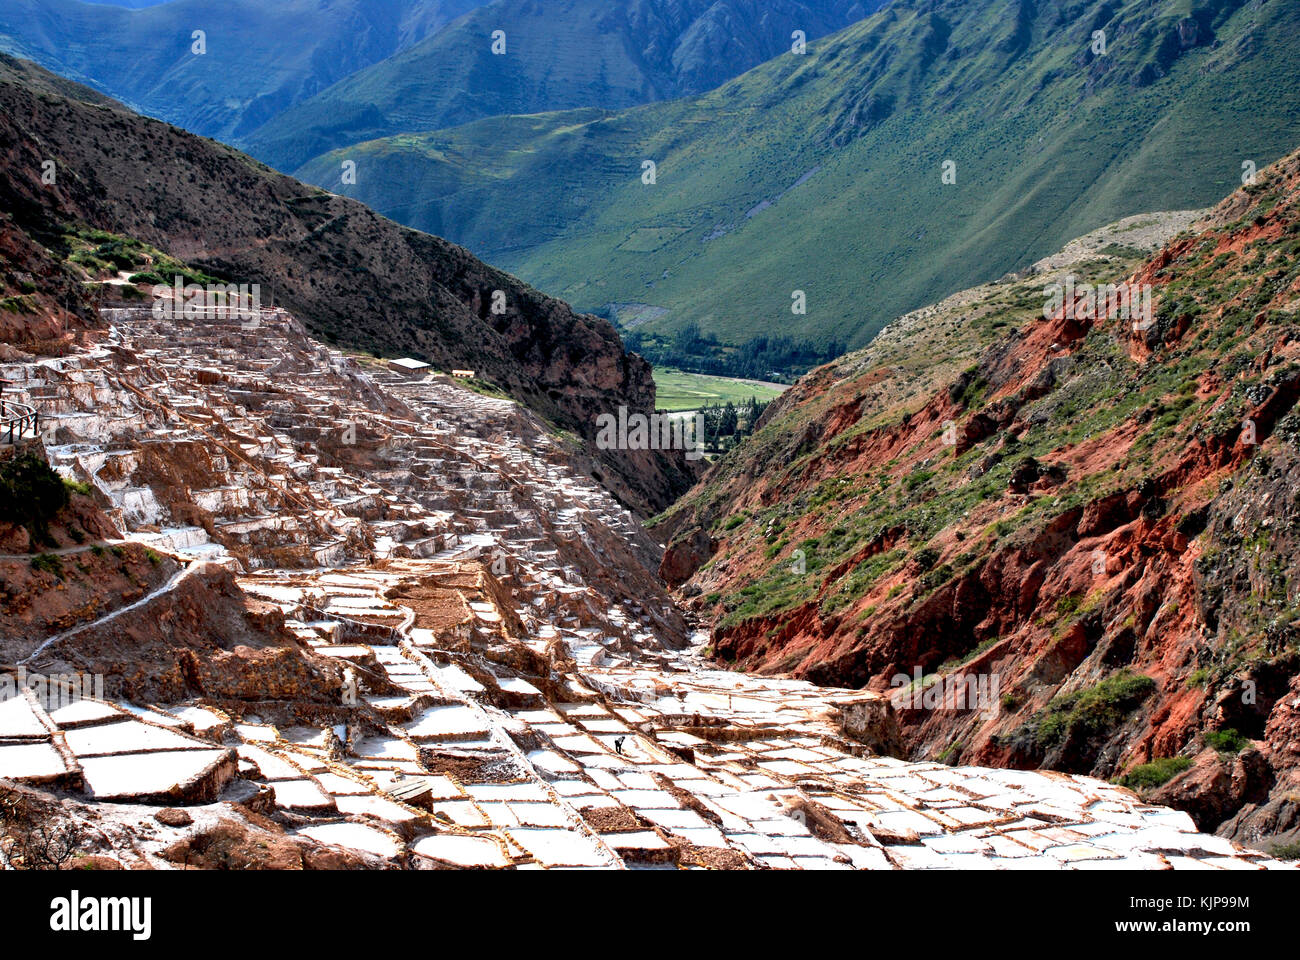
x=464, y=660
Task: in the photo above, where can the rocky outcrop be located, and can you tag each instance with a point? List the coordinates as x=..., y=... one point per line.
x=685, y=556
x=195, y=633
x=1097, y=513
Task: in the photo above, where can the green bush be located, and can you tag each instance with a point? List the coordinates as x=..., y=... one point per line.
x=1226, y=741
x=31, y=494
x=1153, y=774
x=48, y=563
x=1096, y=711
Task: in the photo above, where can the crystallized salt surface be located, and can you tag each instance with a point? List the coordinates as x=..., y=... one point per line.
x=462, y=851
x=256, y=731
x=639, y=840
x=140, y=774
x=342, y=786
x=18, y=719
x=385, y=748
x=128, y=736
x=462, y=813
x=451, y=677
x=354, y=836
x=505, y=792
x=344, y=651
x=538, y=815
x=376, y=807
x=271, y=766
x=79, y=712
x=559, y=848
x=518, y=685
x=152, y=716
x=449, y=722
x=301, y=795
x=548, y=761
x=200, y=718
x=24, y=761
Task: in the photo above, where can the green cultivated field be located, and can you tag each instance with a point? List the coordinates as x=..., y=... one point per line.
x=690, y=391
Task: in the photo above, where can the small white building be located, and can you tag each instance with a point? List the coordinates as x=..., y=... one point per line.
x=463, y=374
x=408, y=366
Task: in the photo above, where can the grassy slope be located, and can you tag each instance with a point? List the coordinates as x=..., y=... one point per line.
x=916, y=553
x=1049, y=143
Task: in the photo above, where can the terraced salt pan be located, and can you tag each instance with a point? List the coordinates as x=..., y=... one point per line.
x=479, y=852
x=146, y=774
x=385, y=748
x=354, y=836
x=518, y=685
x=257, y=732
x=18, y=718
x=787, y=719
x=272, y=767
x=301, y=795
x=31, y=761
x=201, y=719
x=550, y=762
x=81, y=712
x=129, y=736
x=449, y=723
x=372, y=806
x=560, y=848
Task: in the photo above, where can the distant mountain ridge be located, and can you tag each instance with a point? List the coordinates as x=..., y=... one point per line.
x=260, y=57
x=826, y=173
x=555, y=55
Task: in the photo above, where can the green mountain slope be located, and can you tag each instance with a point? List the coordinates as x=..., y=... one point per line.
x=260, y=57
x=823, y=172
x=557, y=55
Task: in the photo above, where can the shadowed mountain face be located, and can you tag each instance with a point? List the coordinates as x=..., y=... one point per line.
x=932, y=146
x=552, y=56
x=257, y=58
x=353, y=277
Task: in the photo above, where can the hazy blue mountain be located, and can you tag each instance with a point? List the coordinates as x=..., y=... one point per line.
x=260, y=58
x=557, y=54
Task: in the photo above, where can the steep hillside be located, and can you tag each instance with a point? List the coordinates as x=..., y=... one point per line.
x=557, y=55
x=824, y=173
x=1094, y=512
x=258, y=59
x=356, y=278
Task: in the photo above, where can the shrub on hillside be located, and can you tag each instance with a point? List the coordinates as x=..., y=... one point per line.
x=31, y=494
